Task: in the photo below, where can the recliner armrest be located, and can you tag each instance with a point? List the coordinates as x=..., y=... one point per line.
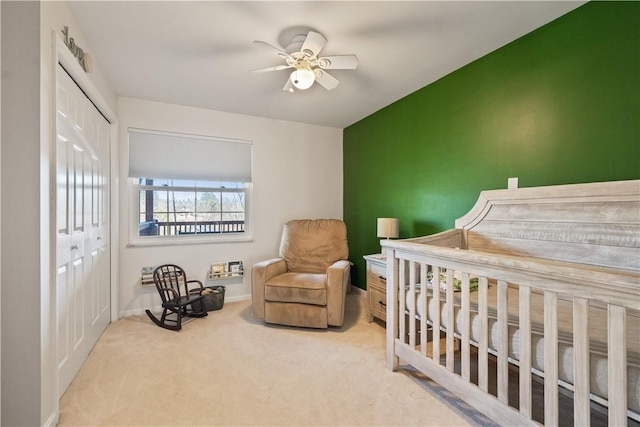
x=260, y=274
x=339, y=265
x=338, y=279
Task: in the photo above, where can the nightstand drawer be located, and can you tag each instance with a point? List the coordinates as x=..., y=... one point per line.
x=377, y=275
x=378, y=303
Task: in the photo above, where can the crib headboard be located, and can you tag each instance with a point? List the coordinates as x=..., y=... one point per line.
x=596, y=223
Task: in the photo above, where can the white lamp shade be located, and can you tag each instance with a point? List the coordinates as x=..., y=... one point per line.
x=388, y=227
x=303, y=78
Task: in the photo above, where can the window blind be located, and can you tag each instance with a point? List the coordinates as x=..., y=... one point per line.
x=155, y=154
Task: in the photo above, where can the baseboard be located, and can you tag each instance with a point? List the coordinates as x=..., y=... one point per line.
x=359, y=291
x=53, y=419
x=238, y=298
x=158, y=308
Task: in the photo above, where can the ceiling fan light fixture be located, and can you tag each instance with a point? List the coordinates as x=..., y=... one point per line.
x=303, y=56
x=303, y=78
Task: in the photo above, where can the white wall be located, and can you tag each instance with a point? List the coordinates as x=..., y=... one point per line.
x=29, y=394
x=297, y=173
x=20, y=213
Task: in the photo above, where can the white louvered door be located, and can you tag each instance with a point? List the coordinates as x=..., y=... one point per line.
x=83, y=306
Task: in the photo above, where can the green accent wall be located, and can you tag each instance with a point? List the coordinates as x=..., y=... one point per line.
x=560, y=105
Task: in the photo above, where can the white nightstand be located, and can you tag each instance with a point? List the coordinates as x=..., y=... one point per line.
x=377, y=286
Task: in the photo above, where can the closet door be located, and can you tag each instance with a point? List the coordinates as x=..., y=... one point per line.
x=83, y=305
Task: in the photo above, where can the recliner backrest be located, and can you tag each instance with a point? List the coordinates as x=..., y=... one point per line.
x=312, y=245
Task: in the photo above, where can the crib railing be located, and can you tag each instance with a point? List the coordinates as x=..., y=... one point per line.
x=418, y=275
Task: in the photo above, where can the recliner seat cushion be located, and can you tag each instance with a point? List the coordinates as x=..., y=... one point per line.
x=306, y=288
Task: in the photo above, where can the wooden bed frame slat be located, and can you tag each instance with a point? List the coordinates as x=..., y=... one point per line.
x=423, y=319
x=581, y=373
x=437, y=315
x=451, y=346
x=503, y=343
x=403, y=303
x=587, y=253
x=466, y=333
x=412, y=308
x=550, y=358
x=617, y=366
x=524, y=310
x=483, y=347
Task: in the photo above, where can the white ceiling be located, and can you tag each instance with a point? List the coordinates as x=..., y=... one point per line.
x=200, y=53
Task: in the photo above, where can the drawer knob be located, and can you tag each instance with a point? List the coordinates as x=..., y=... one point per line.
x=382, y=278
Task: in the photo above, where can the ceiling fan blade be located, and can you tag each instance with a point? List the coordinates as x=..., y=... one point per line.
x=313, y=44
x=340, y=62
x=288, y=86
x=281, y=53
x=276, y=68
x=325, y=79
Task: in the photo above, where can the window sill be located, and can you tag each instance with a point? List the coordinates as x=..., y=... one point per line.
x=182, y=241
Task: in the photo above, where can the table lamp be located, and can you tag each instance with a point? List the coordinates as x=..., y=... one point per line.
x=387, y=228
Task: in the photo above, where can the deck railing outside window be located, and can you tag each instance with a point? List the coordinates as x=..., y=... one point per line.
x=154, y=228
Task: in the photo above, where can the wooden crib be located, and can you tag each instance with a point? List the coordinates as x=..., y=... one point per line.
x=544, y=281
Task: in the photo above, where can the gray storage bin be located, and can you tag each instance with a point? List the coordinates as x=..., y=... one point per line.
x=213, y=298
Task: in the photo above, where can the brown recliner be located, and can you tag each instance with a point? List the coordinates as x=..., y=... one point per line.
x=306, y=285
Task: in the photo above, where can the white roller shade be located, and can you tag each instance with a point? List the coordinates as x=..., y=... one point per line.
x=165, y=155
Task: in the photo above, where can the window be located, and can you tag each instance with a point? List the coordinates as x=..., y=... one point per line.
x=173, y=207
x=188, y=188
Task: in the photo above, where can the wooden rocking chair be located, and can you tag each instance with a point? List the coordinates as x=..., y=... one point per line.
x=173, y=287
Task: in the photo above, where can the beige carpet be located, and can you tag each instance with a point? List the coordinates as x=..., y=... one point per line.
x=229, y=369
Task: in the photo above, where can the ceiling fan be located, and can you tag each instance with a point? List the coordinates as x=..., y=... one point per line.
x=302, y=55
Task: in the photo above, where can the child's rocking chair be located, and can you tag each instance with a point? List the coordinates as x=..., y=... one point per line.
x=169, y=279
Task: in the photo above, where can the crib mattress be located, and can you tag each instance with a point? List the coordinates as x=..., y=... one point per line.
x=597, y=335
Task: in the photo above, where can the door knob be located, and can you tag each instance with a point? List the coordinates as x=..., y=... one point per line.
x=74, y=247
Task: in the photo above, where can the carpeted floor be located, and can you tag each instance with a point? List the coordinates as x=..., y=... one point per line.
x=229, y=369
